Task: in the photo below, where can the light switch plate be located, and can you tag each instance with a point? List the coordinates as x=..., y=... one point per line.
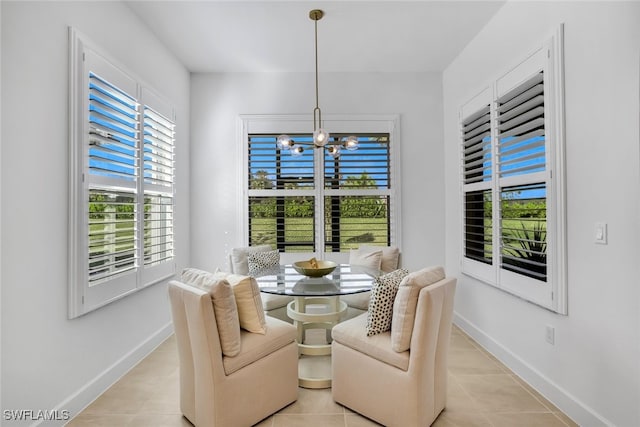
x=601, y=233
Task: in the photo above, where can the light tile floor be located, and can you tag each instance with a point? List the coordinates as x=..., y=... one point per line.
x=482, y=393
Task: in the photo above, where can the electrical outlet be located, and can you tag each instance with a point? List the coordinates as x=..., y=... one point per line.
x=550, y=334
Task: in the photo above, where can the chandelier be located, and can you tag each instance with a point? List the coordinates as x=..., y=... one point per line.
x=321, y=138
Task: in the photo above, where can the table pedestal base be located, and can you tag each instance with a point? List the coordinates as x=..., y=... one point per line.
x=314, y=366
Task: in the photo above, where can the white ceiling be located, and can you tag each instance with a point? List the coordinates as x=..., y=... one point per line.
x=353, y=36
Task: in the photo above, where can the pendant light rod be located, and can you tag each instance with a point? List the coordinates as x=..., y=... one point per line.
x=316, y=15
x=321, y=138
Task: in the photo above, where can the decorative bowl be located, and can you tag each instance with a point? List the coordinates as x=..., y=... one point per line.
x=306, y=268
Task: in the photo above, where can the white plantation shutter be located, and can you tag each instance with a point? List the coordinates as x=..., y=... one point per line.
x=281, y=202
x=521, y=142
x=112, y=180
x=521, y=165
x=358, y=201
x=121, y=184
x=477, y=146
x=159, y=138
x=513, y=181
x=477, y=176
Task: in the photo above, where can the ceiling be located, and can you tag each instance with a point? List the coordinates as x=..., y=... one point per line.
x=278, y=36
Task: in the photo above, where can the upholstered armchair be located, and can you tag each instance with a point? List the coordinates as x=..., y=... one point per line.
x=398, y=377
x=228, y=375
x=382, y=258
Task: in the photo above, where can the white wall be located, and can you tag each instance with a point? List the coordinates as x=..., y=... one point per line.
x=48, y=361
x=592, y=372
x=216, y=164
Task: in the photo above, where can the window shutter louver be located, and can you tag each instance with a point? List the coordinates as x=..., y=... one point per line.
x=522, y=157
x=477, y=147
x=112, y=187
x=159, y=137
x=158, y=229
x=477, y=175
x=524, y=230
x=521, y=129
x=113, y=133
x=368, y=167
x=358, y=209
x=158, y=149
x=356, y=220
x=270, y=168
x=112, y=234
x=285, y=221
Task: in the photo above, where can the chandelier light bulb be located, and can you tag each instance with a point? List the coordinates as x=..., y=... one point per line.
x=351, y=143
x=320, y=137
x=334, y=151
x=297, y=150
x=284, y=142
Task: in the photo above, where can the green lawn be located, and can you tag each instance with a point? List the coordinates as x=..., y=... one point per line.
x=353, y=232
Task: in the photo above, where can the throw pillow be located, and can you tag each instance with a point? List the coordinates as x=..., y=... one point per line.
x=404, y=307
x=224, y=307
x=248, y=301
x=383, y=293
x=366, y=259
x=239, y=257
x=260, y=261
x=390, y=259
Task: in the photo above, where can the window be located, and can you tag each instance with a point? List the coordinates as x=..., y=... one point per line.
x=315, y=203
x=121, y=218
x=513, y=181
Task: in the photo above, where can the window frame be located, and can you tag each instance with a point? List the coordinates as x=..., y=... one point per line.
x=548, y=57
x=338, y=124
x=86, y=57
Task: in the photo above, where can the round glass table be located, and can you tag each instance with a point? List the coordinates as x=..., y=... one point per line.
x=316, y=305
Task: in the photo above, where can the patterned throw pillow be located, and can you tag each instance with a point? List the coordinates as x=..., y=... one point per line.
x=383, y=293
x=259, y=261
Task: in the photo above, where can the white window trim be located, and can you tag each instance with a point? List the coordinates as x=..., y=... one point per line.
x=553, y=294
x=299, y=123
x=82, y=299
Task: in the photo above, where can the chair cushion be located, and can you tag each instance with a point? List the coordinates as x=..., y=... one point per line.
x=366, y=259
x=239, y=257
x=404, y=306
x=383, y=292
x=359, y=300
x=262, y=260
x=255, y=347
x=390, y=256
x=224, y=307
x=352, y=333
x=273, y=301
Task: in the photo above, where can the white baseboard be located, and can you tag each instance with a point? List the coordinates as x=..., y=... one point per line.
x=82, y=398
x=567, y=403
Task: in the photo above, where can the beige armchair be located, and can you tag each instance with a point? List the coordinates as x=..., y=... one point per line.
x=219, y=390
x=397, y=388
x=383, y=258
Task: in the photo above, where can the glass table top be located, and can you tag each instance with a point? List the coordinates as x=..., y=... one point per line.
x=344, y=280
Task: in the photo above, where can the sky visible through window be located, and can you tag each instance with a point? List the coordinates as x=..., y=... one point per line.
x=367, y=159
